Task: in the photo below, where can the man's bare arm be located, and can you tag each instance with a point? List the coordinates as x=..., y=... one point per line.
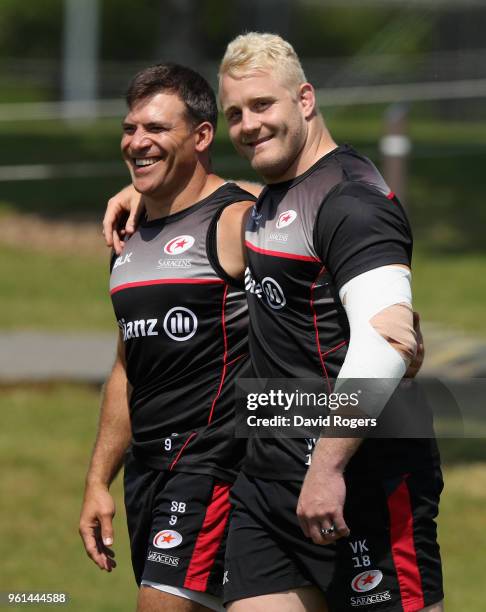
x=113, y=438
x=231, y=238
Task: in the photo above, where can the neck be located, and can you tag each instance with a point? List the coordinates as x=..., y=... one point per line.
x=318, y=143
x=200, y=185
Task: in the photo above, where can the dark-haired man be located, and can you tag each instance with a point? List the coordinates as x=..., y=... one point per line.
x=182, y=340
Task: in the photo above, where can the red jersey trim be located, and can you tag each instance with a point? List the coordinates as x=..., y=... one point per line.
x=225, y=356
x=179, y=454
x=403, y=549
x=252, y=247
x=168, y=281
x=316, y=329
x=236, y=359
x=209, y=539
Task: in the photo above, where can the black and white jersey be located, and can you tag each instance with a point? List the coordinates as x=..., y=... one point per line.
x=184, y=327
x=305, y=239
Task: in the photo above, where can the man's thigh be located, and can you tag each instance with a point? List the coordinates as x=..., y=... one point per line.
x=266, y=549
x=305, y=599
x=177, y=526
x=154, y=600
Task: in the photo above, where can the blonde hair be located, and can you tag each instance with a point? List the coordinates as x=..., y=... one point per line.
x=262, y=51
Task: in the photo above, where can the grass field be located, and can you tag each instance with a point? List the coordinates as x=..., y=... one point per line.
x=451, y=289
x=65, y=292
x=45, y=442
x=54, y=291
x=44, y=446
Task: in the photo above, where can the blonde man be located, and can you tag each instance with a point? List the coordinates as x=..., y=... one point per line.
x=328, y=290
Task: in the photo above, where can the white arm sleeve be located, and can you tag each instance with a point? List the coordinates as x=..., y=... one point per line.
x=369, y=354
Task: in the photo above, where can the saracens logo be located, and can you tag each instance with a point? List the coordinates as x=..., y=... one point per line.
x=180, y=323
x=366, y=581
x=179, y=245
x=167, y=539
x=286, y=218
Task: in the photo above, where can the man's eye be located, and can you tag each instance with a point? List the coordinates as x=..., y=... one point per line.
x=157, y=129
x=262, y=105
x=128, y=129
x=233, y=116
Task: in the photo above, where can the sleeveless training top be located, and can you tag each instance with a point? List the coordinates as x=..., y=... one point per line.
x=184, y=327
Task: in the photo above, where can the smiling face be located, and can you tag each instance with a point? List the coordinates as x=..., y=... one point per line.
x=266, y=121
x=159, y=144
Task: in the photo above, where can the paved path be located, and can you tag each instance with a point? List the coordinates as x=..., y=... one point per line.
x=42, y=356
x=38, y=356
x=452, y=354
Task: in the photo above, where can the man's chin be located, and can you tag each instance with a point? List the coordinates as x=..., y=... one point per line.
x=268, y=169
x=143, y=188
x=261, y=164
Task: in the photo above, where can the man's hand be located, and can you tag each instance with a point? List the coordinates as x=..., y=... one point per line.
x=321, y=505
x=96, y=527
x=121, y=217
x=416, y=364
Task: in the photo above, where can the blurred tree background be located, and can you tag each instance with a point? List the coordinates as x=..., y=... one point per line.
x=343, y=45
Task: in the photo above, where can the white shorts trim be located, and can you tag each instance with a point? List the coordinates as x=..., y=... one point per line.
x=205, y=599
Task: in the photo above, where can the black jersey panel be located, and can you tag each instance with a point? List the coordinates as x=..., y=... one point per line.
x=358, y=229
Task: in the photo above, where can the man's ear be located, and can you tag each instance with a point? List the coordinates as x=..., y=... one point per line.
x=307, y=99
x=204, y=136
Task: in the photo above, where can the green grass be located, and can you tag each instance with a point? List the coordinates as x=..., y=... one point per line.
x=45, y=441
x=451, y=290
x=462, y=548
x=63, y=292
x=52, y=291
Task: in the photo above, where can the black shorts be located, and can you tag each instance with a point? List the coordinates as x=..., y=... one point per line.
x=178, y=525
x=390, y=561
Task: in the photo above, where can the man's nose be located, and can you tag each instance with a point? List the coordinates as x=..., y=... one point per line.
x=250, y=122
x=140, y=140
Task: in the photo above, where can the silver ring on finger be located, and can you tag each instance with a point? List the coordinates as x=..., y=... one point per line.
x=328, y=531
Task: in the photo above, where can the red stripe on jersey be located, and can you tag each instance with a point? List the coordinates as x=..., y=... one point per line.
x=252, y=247
x=179, y=454
x=225, y=356
x=237, y=359
x=168, y=281
x=335, y=348
x=316, y=329
x=403, y=549
x=391, y=195
x=209, y=539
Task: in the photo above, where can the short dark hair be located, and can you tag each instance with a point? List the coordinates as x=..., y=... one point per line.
x=191, y=87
